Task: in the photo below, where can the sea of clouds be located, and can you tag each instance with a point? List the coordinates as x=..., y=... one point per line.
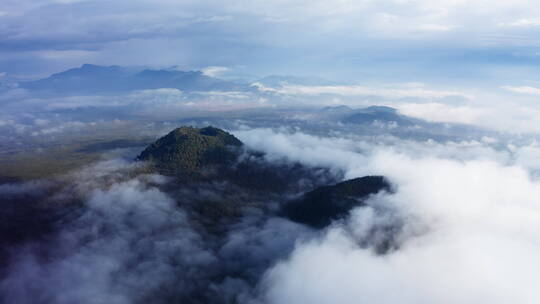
x=463, y=221
x=469, y=215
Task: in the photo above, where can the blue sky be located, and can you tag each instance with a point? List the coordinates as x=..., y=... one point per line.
x=386, y=40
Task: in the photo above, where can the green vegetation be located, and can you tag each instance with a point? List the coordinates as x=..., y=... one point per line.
x=192, y=151
x=60, y=159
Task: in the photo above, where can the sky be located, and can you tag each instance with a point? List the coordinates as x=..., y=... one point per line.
x=475, y=42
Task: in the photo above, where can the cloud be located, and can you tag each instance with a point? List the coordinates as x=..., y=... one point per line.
x=524, y=22
x=124, y=238
x=389, y=93
x=523, y=90
x=352, y=154
x=463, y=221
x=121, y=265
x=473, y=239
x=441, y=112
x=466, y=225
x=509, y=114
x=215, y=71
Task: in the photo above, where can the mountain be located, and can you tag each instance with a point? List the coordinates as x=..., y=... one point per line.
x=92, y=79
x=191, y=151
x=366, y=116
x=86, y=79
x=386, y=119
x=373, y=114
x=318, y=208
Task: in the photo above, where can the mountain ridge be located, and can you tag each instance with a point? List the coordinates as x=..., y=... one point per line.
x=90, y=78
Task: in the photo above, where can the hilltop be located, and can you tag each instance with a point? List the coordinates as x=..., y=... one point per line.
x=188, y=150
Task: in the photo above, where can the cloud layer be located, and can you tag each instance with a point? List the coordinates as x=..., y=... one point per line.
x=460, y=227
x=468, y=235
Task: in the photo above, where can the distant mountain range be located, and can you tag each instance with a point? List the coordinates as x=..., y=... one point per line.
x=372, y=114
x=90, y=79
x=96, y=79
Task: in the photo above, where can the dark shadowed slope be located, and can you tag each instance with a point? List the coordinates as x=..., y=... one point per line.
x=318, y=208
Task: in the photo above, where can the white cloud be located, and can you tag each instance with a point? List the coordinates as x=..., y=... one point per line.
x=509, y=115
x=352, y=154
x=523, y=90
x=469, y=234
x=440, y=112
x=215, y=71
x=524, y=22
x=479, y=244
x=391, y=93
x=126, y=229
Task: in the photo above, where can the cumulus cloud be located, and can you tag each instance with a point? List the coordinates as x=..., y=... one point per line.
x=353, y=153
x=480, y=221
x=468, y=234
